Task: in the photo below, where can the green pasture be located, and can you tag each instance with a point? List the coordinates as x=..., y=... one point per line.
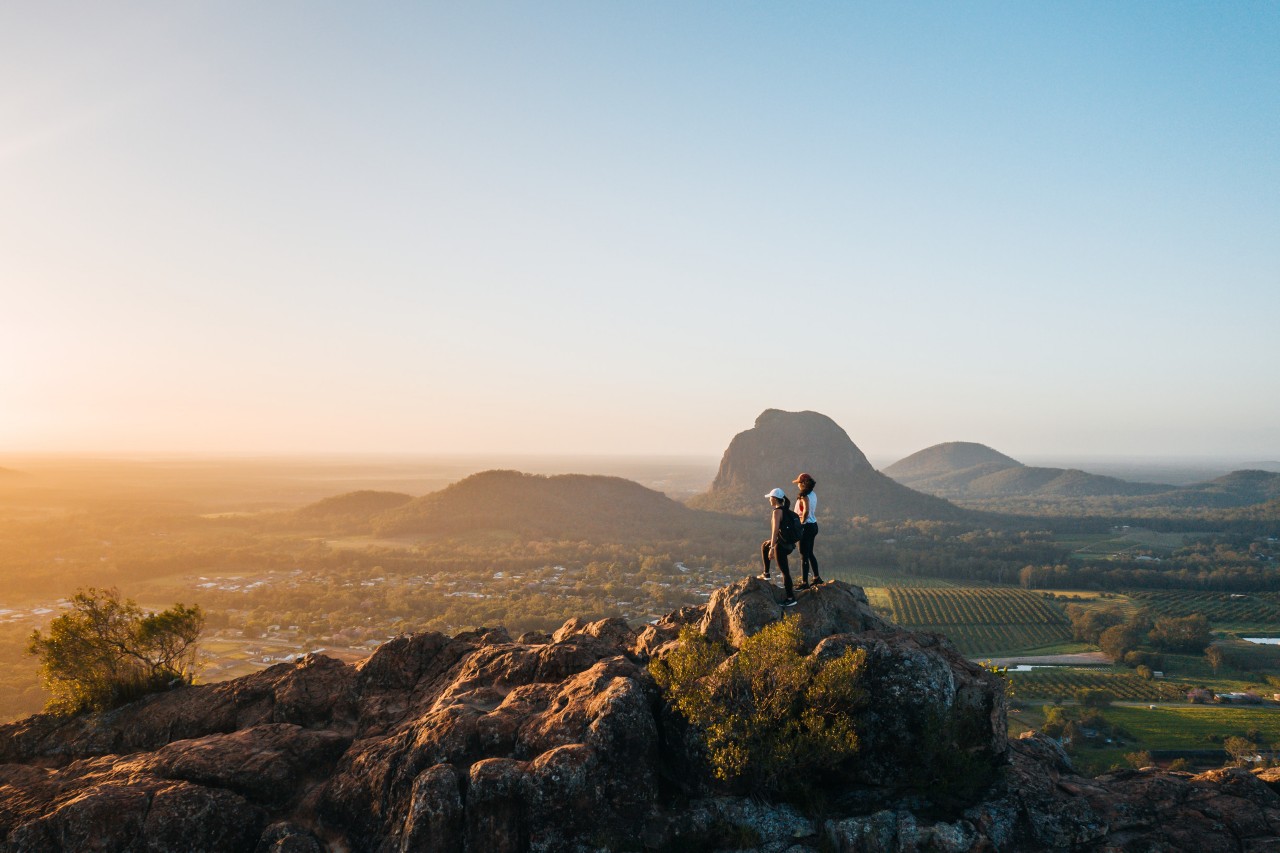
x=1166, y=727
x=1195, y=726
x=1120, y=542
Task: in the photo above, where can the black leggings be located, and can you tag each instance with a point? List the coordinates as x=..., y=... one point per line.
x=765, y=547
x=807, y=535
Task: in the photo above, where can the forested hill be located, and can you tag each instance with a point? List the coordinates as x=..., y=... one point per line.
x=971, y=472
x=960, y=469
x=566, y=506
x=352, y=511
x=946, y=461
x=783, y=444
x=1237, y=489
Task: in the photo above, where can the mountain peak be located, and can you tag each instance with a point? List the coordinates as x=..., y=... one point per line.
x=783, y=444
x=948, y=457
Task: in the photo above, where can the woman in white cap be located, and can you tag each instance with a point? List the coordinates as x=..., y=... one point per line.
x=775, y=547
x=807, y=508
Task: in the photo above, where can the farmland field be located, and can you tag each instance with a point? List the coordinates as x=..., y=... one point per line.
x=872, y=579
x=1167, y=728
x=1261, y=609
x=1121, y=541
x=981, y=621
x=1063, y=682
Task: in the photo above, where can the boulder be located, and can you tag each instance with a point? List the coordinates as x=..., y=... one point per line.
x=563, y=743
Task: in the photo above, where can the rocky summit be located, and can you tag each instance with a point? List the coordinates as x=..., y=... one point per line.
x=563, y=742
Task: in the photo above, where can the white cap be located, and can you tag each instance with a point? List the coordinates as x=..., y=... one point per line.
x=777, y=493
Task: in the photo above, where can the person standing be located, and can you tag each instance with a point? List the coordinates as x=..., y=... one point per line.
x=776, y=548
x=807, y=509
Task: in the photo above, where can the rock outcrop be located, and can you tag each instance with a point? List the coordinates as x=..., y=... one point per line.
x=782, y=444
x=563, y=743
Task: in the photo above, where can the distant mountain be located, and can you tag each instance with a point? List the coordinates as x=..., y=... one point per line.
x=949, y=468
x=1237, y=489
x=965, y=470
x=948, y=458
x=783, y=444
x=352, y=510
x=566, y=506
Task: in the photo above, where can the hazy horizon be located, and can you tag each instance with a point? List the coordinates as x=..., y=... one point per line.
x=502, y=229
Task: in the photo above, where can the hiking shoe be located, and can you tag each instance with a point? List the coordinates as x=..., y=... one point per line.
x=763, y=577
x=803, y=585
x=788, y=602
x=818, y=581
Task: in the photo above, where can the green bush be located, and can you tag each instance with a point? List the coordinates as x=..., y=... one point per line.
x=774, y=720
x=105, y=652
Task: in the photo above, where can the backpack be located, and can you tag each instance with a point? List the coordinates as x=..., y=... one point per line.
x=790, y=527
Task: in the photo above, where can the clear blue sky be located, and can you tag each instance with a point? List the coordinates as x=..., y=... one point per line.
x=628, y=228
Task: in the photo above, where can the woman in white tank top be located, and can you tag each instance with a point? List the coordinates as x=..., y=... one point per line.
x=807, y=509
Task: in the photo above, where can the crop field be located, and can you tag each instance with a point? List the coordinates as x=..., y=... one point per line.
x=1255, y=657
x=989, y=620
x=1255, y=608
x=1063, y=682
x=872, y=579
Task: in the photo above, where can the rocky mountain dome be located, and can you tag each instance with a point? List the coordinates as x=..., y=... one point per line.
x=782, y=444
x=482, y=742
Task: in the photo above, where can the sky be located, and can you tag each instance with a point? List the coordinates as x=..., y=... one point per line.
x=628, y=228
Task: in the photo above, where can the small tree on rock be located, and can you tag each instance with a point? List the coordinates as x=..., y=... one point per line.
x=772, y=717
x=106, y=651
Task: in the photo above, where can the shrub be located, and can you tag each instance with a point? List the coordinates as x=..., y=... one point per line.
x=105, y=652
x=1147, y=659
x=1095, y=698
x=1140, y=759
x=1239, y=749
x=773, y=719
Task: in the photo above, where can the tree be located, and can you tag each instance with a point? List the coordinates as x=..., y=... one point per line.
x=1117, y=640
x=1216, y=657
x=1239, y=749
x=1095, y=698
x=1184, y=634
x=772, y=717
x=1088, y=624
x=106, y=651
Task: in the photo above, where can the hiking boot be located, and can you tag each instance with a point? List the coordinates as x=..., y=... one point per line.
x=788, y=602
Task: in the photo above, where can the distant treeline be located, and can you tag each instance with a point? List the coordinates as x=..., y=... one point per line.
x=1109, y=578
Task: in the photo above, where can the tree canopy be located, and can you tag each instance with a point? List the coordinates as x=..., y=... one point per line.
x=106, y=651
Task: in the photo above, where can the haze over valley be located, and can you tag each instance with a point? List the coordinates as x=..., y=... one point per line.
x=389, y=397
